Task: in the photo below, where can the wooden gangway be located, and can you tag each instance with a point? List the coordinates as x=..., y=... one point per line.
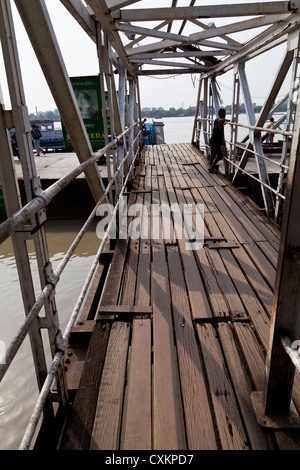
x=171, y=342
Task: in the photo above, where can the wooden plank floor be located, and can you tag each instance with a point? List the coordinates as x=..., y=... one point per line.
x=179, y=338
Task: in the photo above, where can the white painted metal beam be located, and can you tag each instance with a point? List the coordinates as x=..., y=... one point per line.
x=236, y=27
x=205, y=26
x=185, y=21
x=144, y=36
x=174, y=5
x=256, y=141
x=103, y=15
x=168, y=71
x=171, y=55
x=125, y=27
x=274, y=35
x=276, y=86
x=210, y=33
x=211, y=11
x=113, y=5
x=197, y=67
x=79, y=11
x=161, y=45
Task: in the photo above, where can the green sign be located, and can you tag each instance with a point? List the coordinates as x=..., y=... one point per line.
x=88, y=94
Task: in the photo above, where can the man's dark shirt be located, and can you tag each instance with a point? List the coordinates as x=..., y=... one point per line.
x=217, y=136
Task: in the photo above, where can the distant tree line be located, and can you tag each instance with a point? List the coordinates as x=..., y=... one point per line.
x=43, y=115
x=154, y=113
x=172, y=112
x=257, y=108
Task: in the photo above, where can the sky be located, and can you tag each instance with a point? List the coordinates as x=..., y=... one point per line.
x=79, y=53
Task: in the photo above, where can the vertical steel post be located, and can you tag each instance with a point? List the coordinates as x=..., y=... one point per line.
x=234, y=116
x=205, y=114
x=255, y=138
x=293, y=45
x=131, y=119
x=122, y=108
x=285, y=320
x=197, y=110
x=138, y=114
x=100, y=52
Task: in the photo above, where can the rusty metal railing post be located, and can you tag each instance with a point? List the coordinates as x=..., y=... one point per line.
x=285, y=320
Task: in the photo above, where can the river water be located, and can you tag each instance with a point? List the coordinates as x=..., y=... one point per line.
x=18, y=390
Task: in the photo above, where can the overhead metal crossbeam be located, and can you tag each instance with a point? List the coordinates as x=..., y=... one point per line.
x=197, y=38
x=103, y=15
x=82, y=16
x=212, y=11
x=272, y=20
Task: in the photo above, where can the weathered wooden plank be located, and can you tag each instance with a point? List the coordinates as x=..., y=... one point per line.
x=193, y=176
x=241, y=234
x=128, y=288
x=262, y=263
x=220, y=227
x=198, y=298
x=79, y=431
x=253, y=352
x=270, y=252
x=204, y=178
x=106, y=433
x=257, y=436
x=252, y=305
x=254, y=277
x=198, y=419
x=230, y=427
x=137, y=420
x=217, y=300
x=241, y=216
x=167, y=421
x=84, y=313
x=143, y=286
x=154, y=180
x=148, y=183
x=125, y=309
x=267, y=227
x=220, y=245
x=167, y=222
x=108, y=415
x=175, y=171
x=211, y=226
x=226, y=286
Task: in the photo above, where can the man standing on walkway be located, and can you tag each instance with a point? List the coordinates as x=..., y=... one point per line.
x=217, y=141
x=36, y=135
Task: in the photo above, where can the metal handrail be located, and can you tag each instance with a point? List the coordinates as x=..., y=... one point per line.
x=281, y=165
x=236, y=145
x=254, y=128
x=276, y=192
x=34, y=420
x=24, y=329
